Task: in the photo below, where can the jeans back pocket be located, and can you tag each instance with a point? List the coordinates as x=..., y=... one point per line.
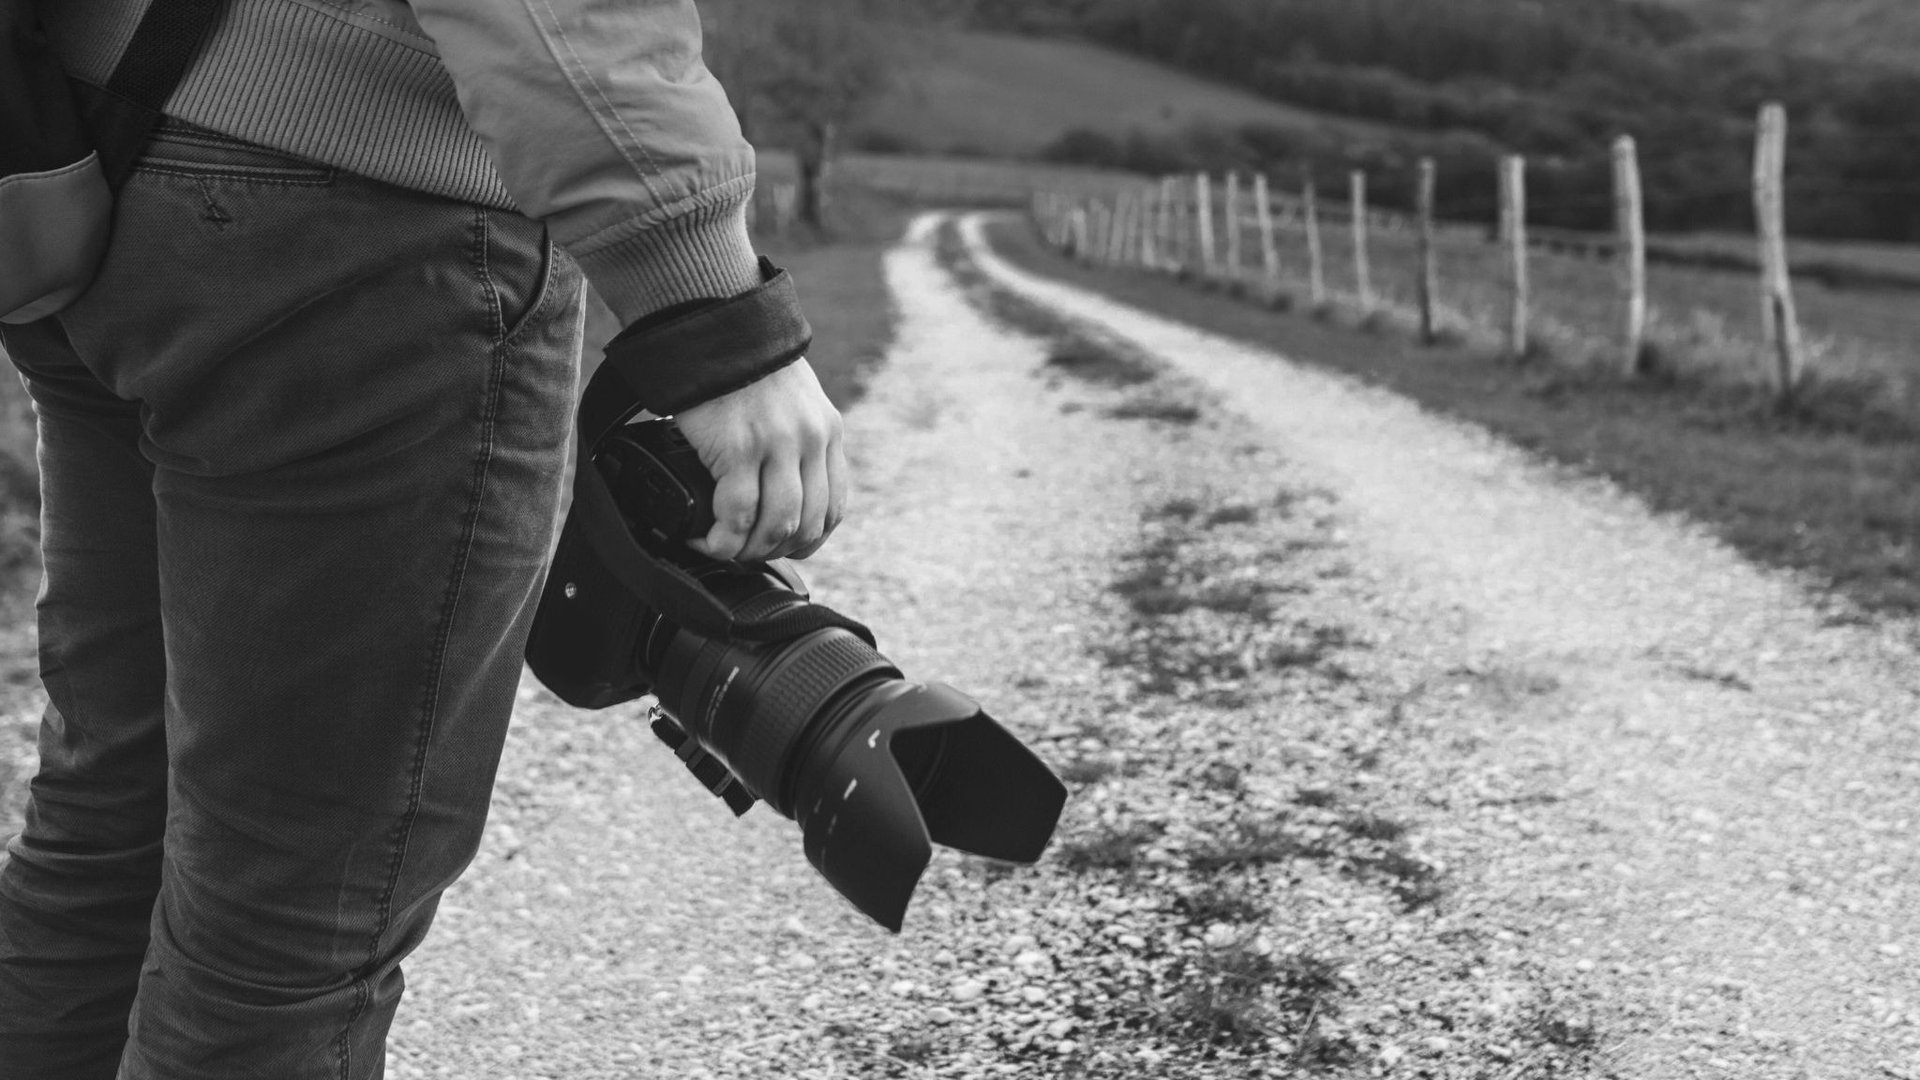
x=182, y=149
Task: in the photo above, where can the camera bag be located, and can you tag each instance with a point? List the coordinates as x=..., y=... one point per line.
x=603, y=580
x=66, y=146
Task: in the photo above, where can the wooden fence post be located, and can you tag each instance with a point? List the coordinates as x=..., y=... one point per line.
x=1362, y=268
x=1077, y=231
x=1263, y=214
x=1233, y=226
x=1140, y=251
x=1631, y=225
x=1152, y=251
x=1428, y=271
x=1136, y=227
x=1781, y=322
x=1176, y=225
x=1169, y=226
x=1203, y=222
x=1117, y=235
x=1316, y=257
x=1513, y=227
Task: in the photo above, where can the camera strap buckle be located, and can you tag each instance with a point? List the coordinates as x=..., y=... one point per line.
x=712, y=773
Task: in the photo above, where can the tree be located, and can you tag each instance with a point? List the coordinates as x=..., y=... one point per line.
x=799, y=71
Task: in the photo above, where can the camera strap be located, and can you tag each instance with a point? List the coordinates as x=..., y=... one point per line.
x=767, y=328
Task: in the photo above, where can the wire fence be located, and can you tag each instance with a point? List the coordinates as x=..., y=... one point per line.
x=1713, y=305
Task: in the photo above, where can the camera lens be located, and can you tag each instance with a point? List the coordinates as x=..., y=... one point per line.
x=761, y=707
x=874, y=767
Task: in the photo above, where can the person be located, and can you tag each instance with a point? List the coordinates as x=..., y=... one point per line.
x=302, y=443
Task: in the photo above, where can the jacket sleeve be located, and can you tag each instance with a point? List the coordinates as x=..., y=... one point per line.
x=604, y=123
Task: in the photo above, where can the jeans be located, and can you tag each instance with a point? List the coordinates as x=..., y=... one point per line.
x=301, y=448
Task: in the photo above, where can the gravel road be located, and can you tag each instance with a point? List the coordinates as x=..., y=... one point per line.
x=1735, y=762
x=1393, y=753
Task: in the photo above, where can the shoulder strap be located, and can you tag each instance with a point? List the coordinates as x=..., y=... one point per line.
x=121, y=115
x=163, y=46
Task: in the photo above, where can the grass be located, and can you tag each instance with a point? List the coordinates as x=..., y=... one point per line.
x=1413, y=881
x=1825, y=488
x=1221, y=902
x=1155, y=408
x=1238, y=997
x=1010, y=95
x=1254, y=843
x=19, y=488
x=1221, y=1000
x=1108, y=848
x=1883, y=30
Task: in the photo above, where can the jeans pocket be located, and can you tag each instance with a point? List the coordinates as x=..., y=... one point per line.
x=179, y=149
x=520, y=267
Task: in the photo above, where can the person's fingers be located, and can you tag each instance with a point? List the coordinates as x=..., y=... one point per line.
x=779, y=515
x=839, y=481
x=816, y=504
x=736, y=505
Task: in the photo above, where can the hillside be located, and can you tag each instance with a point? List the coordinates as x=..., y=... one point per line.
x=1884, y=30
x=1462, y=81
x=1005, y=95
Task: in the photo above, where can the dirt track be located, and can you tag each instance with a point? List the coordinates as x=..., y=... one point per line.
x=1733, y=837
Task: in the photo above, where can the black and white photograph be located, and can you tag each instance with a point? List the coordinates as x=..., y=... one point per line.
x=960, y=539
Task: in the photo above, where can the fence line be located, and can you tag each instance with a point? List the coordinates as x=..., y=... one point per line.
x=1185, y=228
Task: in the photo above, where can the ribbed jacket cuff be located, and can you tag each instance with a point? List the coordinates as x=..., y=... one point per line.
x=701, y=255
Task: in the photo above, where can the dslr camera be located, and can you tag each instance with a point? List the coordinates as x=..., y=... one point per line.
x=767, y=696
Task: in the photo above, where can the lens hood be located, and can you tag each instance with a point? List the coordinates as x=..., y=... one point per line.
x=925, y=766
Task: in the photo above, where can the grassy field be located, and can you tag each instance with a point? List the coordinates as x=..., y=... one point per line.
x=1883, y=30
x=1008, y=96
x=1805, y=492
x=1813, y=257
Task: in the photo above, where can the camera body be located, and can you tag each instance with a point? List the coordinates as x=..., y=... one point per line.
x=658, y=481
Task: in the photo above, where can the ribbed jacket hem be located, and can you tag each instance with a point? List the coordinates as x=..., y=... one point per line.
x=324, y=83
x=701, y=254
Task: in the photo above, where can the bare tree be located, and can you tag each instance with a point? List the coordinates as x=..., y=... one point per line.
x=799, y=71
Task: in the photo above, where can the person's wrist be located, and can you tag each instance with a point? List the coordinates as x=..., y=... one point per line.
x=702, y=349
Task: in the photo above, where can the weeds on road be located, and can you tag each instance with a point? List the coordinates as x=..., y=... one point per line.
x=1074, y=349
x=1156, y=408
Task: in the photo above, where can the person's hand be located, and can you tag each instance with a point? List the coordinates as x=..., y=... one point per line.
x=780, y=470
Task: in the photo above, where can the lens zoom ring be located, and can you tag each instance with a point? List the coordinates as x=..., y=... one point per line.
x=817, y=665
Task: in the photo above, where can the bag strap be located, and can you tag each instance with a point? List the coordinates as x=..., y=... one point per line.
x=122, y=114
x=163, y=45
x=718, y=333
